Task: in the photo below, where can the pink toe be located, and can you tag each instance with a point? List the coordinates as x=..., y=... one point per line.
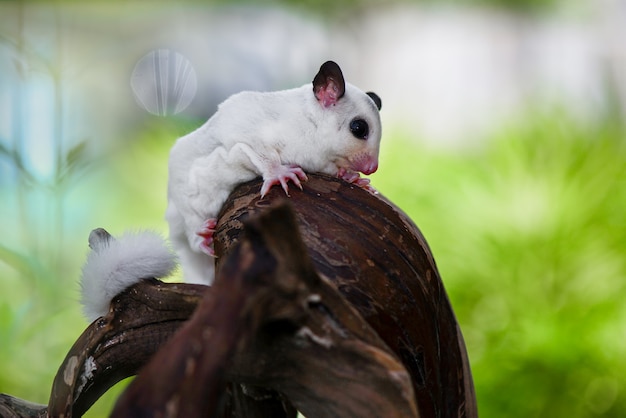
x=207, y=249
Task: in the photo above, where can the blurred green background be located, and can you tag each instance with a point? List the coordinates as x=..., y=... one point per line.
x=519, y=186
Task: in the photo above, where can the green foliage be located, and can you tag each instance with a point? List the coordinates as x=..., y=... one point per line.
x=529, y=234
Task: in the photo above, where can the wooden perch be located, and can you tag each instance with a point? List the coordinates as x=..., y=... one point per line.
x=379, y=261
x=115, y=346
x=270, y=321
x=337, y=310
x=11, y=407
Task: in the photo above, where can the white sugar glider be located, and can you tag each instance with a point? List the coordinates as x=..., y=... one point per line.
x=116, y=264
x=327, y=126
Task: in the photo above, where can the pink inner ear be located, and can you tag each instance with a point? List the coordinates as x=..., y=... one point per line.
x=327, y=94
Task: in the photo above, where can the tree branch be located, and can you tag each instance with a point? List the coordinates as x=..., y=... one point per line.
x=270, y=321
x=379, y=261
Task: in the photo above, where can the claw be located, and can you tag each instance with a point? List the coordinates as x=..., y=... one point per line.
x=206, y=232
x=208, y=228
x=282, y=176
x=354, y=177
x=349, y=175
x=207, y=249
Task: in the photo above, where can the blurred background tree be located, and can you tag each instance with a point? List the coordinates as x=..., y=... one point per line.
x=503, y=139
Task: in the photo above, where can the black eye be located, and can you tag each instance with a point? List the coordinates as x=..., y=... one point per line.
x=359, y=128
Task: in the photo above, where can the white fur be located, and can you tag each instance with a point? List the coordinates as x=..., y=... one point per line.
x=258, y=134
x=116, y=264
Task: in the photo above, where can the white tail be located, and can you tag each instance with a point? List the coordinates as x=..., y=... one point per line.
x=115, y=264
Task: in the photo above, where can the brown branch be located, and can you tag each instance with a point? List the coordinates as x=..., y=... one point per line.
x=11, y=407
x=271, y=321
x=115, y=346
x=186, y=377
x=379, y=261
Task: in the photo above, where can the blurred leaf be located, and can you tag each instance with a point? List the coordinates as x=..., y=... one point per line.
x=18, y=162
x=76, y=161
x=76, y=155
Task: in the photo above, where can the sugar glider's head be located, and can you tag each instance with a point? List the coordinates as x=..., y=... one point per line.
x=351, y=120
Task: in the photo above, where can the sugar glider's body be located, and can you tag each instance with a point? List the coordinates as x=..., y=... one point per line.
x=328, y=126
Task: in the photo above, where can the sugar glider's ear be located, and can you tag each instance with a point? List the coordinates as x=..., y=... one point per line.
x=329, y=85
x=376, y=99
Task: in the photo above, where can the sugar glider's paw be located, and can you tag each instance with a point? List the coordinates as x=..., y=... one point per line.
x=281, y=175
x=206, y=233
x=115, y=264
x=355, y=178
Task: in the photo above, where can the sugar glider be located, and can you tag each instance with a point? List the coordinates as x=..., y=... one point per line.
x=327, y=126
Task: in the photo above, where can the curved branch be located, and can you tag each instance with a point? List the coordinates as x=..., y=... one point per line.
x=380, y=262
x=270, y=321
x=11, y=407
x=115, y=346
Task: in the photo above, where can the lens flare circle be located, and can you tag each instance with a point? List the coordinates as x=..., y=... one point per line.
x=164, y=82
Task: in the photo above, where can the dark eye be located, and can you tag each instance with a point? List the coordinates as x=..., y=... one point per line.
x=359, y=128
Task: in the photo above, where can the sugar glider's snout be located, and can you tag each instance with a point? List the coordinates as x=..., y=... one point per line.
x=367, y=129
x=369, y=166
x=365, y=163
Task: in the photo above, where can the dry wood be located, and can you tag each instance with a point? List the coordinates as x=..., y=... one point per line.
x=379, y=261
x=11, y=407
x=115, y=346
x=270, y=321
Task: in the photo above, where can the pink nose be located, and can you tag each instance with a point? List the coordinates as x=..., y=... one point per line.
x=370, y=168
x=365, y=164
x=370, y=165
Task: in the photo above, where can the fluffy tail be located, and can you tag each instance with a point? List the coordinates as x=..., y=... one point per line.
x=115, y=264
